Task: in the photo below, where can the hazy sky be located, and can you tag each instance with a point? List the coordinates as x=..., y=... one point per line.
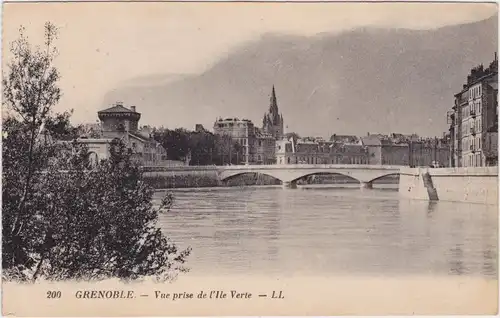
x=103, y=44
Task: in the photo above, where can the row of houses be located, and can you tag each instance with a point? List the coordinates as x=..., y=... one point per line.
x=470, y=142
x=270, y=145
x=372, y=149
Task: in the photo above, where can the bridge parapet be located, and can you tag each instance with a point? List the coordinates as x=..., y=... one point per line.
x=269, y=167
x=289, y=174
x=309, y=166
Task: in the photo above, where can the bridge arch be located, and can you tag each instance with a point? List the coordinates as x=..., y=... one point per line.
x=323, y=173
x=226, y=175
x=289, y=174
x=383, y=176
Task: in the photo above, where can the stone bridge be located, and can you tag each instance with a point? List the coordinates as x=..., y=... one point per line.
x=289, y=174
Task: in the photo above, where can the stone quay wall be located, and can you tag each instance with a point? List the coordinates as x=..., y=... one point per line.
x=203, y=179
x=465, y=184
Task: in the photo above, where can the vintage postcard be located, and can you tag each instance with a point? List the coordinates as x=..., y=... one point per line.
x=249, y=158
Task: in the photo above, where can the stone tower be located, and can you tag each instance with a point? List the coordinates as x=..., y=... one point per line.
x=272, y=123
x=118, y=121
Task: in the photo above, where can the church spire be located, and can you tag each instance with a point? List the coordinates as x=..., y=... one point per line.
x=273, y=108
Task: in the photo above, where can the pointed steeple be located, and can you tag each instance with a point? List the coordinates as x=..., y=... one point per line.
x=273, y=108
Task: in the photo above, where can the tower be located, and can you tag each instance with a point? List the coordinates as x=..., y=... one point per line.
x=118, y=121
x=272, y=122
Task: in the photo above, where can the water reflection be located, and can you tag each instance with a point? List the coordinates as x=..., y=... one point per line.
x=431, y=207
x=456, y=261
x=329, y=231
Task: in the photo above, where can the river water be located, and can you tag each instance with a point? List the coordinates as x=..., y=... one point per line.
x=324, y=231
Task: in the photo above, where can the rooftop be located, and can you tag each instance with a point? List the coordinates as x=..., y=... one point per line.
x=234, y=120
x=118, y=108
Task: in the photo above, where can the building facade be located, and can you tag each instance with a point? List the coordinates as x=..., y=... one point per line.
x=404, y=150
x=119, y=122
x=319, y=151
x=257, y=144
x=474, y=119
x=237, y=133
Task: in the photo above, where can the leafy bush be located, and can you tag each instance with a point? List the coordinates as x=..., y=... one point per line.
x=61, y=217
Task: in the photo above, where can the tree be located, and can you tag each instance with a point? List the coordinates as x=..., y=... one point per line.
x=30, y=91
x=292, y=135
x=102, y=223
x=61, y=220
x=176, y=142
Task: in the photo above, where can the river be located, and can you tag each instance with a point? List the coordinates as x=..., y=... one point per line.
x=322, y=231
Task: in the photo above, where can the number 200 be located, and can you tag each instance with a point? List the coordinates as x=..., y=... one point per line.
x=54, y=294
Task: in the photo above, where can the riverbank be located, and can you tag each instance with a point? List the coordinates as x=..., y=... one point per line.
x=465, y=184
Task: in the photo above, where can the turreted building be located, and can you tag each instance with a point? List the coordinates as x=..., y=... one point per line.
x=119, y=122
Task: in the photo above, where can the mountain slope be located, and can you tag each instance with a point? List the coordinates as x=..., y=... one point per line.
x=377, y=80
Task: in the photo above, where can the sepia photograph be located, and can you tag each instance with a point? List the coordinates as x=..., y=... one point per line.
x=164, y=158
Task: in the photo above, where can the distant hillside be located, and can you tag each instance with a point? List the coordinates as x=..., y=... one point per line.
x=368, y=79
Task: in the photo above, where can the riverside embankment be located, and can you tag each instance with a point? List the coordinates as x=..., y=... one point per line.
x=465, y=184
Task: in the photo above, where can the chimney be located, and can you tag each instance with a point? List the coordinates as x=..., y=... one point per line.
x=132, y=108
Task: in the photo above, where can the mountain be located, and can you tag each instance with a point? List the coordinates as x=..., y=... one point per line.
x=363, y=80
